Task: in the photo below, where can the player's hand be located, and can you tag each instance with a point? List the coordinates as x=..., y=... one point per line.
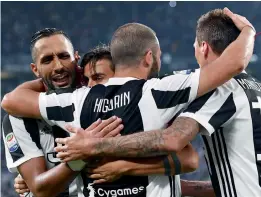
x=238, y=20
x=20, y=186
x=75, y=147
x=106, y=170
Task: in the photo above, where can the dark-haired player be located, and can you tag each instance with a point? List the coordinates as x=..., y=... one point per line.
x=29, y=152
x=142, y=104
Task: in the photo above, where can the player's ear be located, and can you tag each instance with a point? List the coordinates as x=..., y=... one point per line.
x=77, y=56
x=204, y=49
x=148, y=59
x=34, y=69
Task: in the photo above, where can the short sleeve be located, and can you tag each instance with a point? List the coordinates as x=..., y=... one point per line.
x=212, y=110
x=19, y=145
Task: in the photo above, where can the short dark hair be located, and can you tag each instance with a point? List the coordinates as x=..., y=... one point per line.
x=130, y=43
x=46, y=32
x=98, y=53
x=217, y=29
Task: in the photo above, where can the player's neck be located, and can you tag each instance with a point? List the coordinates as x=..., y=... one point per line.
x=130, y=72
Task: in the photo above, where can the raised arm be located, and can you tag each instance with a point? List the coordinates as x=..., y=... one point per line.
x=233, y=60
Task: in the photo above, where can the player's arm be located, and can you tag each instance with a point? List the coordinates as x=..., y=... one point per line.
x=197, y=188
x=24, y=155
x=43, y=182
x=110, y=170
x=206, y=114
x=233, y=60
x=23, y=100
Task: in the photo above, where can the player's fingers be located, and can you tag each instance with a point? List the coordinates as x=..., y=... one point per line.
x=110, y=128
x=99, y=181
x=229, y=13
x=20, y=186
x=103, y=125
x=62, y=155
x=22, y=191
x=62, y=140
x=115, y=132
x=94, y=125
x=72, y=129
x=96, y=176
x=61, y=148
x=19, y=180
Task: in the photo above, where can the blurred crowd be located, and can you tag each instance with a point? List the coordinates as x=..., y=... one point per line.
x=91, y=23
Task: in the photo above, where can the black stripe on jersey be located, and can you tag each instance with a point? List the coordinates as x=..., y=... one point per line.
x=168, y=99
x=219, y=164
x=171, y=186
x=174, y=185
x=59, y=113
x=226, y=111
x=131, y=119
x=198, y=103
x=213, y=172
x=32, y=128
x=228, y=163
x=7, y=129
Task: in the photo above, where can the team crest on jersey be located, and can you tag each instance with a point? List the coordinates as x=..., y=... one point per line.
x=11, y=142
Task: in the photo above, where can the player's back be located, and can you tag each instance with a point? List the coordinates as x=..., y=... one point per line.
x=234, y=150
x=142, y=105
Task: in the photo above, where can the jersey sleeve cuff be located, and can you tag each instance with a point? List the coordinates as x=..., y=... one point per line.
x=207, y=128
x=12, y=167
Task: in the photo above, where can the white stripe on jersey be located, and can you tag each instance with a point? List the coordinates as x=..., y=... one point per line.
x=232, y=136
x=152, y=105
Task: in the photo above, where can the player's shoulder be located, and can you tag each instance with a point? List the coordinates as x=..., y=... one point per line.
x=174, y=77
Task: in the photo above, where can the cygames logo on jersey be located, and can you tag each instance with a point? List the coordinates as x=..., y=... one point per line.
x=11, y=142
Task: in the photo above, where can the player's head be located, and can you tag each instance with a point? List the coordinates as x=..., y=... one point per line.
x=54, y=59
x=97, y=65
x=215, y=31
x=136, y=45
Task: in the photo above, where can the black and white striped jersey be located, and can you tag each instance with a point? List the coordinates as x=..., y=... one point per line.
x=23, y=142
x=142, y=105
x=231, y=120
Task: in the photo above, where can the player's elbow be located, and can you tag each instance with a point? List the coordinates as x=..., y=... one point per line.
x=6, y=103
x=41, y=191
x=240, y=66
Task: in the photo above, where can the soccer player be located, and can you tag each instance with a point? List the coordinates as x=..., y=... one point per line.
x=29, y=152
x=136, y=54
x=98, y=68
x=227, y=117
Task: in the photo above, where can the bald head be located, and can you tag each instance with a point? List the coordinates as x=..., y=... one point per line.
x=130, y=43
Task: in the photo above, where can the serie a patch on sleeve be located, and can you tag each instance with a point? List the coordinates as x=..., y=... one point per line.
x=11, y=142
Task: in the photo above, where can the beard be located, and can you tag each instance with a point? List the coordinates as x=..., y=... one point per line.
x=154, y=71
x=49, y=83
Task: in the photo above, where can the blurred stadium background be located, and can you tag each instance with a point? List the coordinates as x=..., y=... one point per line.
x=91, y=23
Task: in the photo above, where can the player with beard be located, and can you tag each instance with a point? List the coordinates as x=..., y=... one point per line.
x=30, y=153
x=98, y=67
x=143, y=105
x=226, y=117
